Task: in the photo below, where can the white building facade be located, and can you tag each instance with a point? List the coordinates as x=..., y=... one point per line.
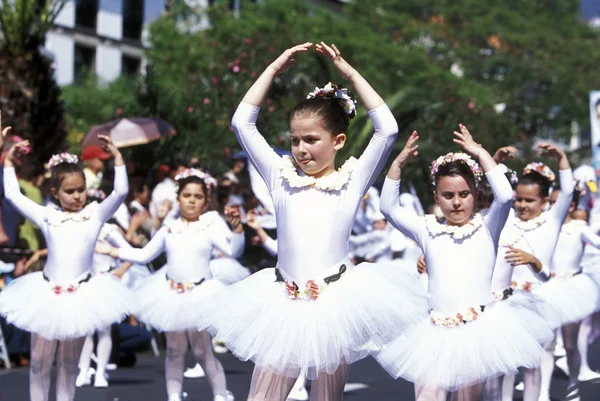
x=105, y=37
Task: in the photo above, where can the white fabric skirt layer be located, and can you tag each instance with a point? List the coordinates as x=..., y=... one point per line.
x=31, y=304
x=573, y=298
x=361, y=311
x=509, y=334
x=166, y=309
x=228, y=270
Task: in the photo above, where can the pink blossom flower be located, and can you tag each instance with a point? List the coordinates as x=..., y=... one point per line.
x=190, y=109
x=214, y=80
x=271, y=109
x=247, y=41
x=206, y=100
x=237, y=61
x=236, y=69
x=119, y=111
x=471, y=105
x=219, y=123
x=253, y=74
x=229, y=65
x=244, y=55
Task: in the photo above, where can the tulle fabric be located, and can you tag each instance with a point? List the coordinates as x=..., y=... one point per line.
x=362, y=311
x=509, y=334
x=573, y=298
x=30, y=304
x=228, y=270
x=165, y=309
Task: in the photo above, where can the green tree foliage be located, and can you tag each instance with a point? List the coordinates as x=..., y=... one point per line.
x=437, y=63
x=29, y=95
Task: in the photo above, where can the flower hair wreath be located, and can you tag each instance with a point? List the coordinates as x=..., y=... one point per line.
x=64, y=157
x=333, y=91
x=194, y=172
x=456, y=157
x=510, y=174
x=541, y=169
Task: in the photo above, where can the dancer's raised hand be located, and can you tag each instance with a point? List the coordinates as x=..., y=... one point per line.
x=549, y=150
x=409, y=152
x=4, y=131
x=333, y=53
x=286, y=59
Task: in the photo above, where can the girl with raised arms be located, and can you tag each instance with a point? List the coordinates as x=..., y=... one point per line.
x=316, y=312
x=63, y=304
x=467, y=337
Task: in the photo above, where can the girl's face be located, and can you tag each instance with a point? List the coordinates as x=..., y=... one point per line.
x=144, y=197
x=72, y=194
x=313, y=147
x=192, y=200
x=528, y=202
x=455, y=198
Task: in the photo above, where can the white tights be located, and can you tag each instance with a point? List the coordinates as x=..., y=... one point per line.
x=583, y=342
x=102, y=352
x=570, y=333
x=43, y=354
x=270, y=386
x=532, y=379
x=201, y=344
x=469, y=393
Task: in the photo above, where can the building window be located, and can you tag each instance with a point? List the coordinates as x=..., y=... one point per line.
x=86, y=12
x=85, y=61
x=130, y=65
x=133, y=19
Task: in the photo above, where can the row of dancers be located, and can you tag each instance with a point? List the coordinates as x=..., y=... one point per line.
x=492, y=304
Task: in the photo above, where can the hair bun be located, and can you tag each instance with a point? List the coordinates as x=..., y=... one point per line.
x=342, y=95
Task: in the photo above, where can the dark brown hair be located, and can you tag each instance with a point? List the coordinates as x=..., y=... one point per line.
x=58, y=173
x=191, y=180
x=535, y=178
x=333, y=117
x=456, y=168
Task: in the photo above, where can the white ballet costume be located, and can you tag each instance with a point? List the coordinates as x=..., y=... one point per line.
x=223, y=266
x=468, y=337
x=542, y=233
x=170, y=299
x=65, y=302
x=316, y=312
x=102, y=264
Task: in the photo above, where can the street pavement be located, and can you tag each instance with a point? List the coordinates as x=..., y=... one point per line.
x=145, y=382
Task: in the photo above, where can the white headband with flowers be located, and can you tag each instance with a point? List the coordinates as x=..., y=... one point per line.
x=64, y=157
x=194, y=172
x=510, y=174
x=456, y=157
x=541, y=169
x=332, y=91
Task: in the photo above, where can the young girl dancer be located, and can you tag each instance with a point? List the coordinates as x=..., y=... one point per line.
x=573, y=294
x=316, y=312
x=60, y=306
x=170, y=299
x=467, y=337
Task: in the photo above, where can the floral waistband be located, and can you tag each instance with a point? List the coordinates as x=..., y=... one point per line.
x=501, y=295
x=67, y=288
x=523, y=285
x=312, y=289
x=180, y=288
x=471, y=314
x=564, y=275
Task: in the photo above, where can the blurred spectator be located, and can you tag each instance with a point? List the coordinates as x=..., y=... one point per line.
x=166, y=190
x=94, y=157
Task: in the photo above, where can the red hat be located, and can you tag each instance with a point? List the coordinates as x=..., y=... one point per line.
x=93, y=152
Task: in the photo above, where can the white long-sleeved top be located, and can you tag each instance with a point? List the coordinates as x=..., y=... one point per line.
x=460, y=260
x=70, y=237
x=189, y=247
x=314, y=225
x=542, y=232
x=109, y=233
x=570, y=246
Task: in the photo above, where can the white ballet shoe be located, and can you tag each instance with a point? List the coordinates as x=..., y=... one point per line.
x=175, y=397
x=219, y=347
x=100, y=381
x=111, y=366
x=520, y=386
x=83, y=379
x=588, y=374
x=544, y=397
x=573, y=394
x=227, y=397
x=298, y=394
x=195, y=372
x=561, y=363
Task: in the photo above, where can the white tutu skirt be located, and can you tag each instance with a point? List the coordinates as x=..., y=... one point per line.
x=165, y=309
x=31, y=304
x=228, y=270
x=509, y=334
x=573, y=298
x=258, y=321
